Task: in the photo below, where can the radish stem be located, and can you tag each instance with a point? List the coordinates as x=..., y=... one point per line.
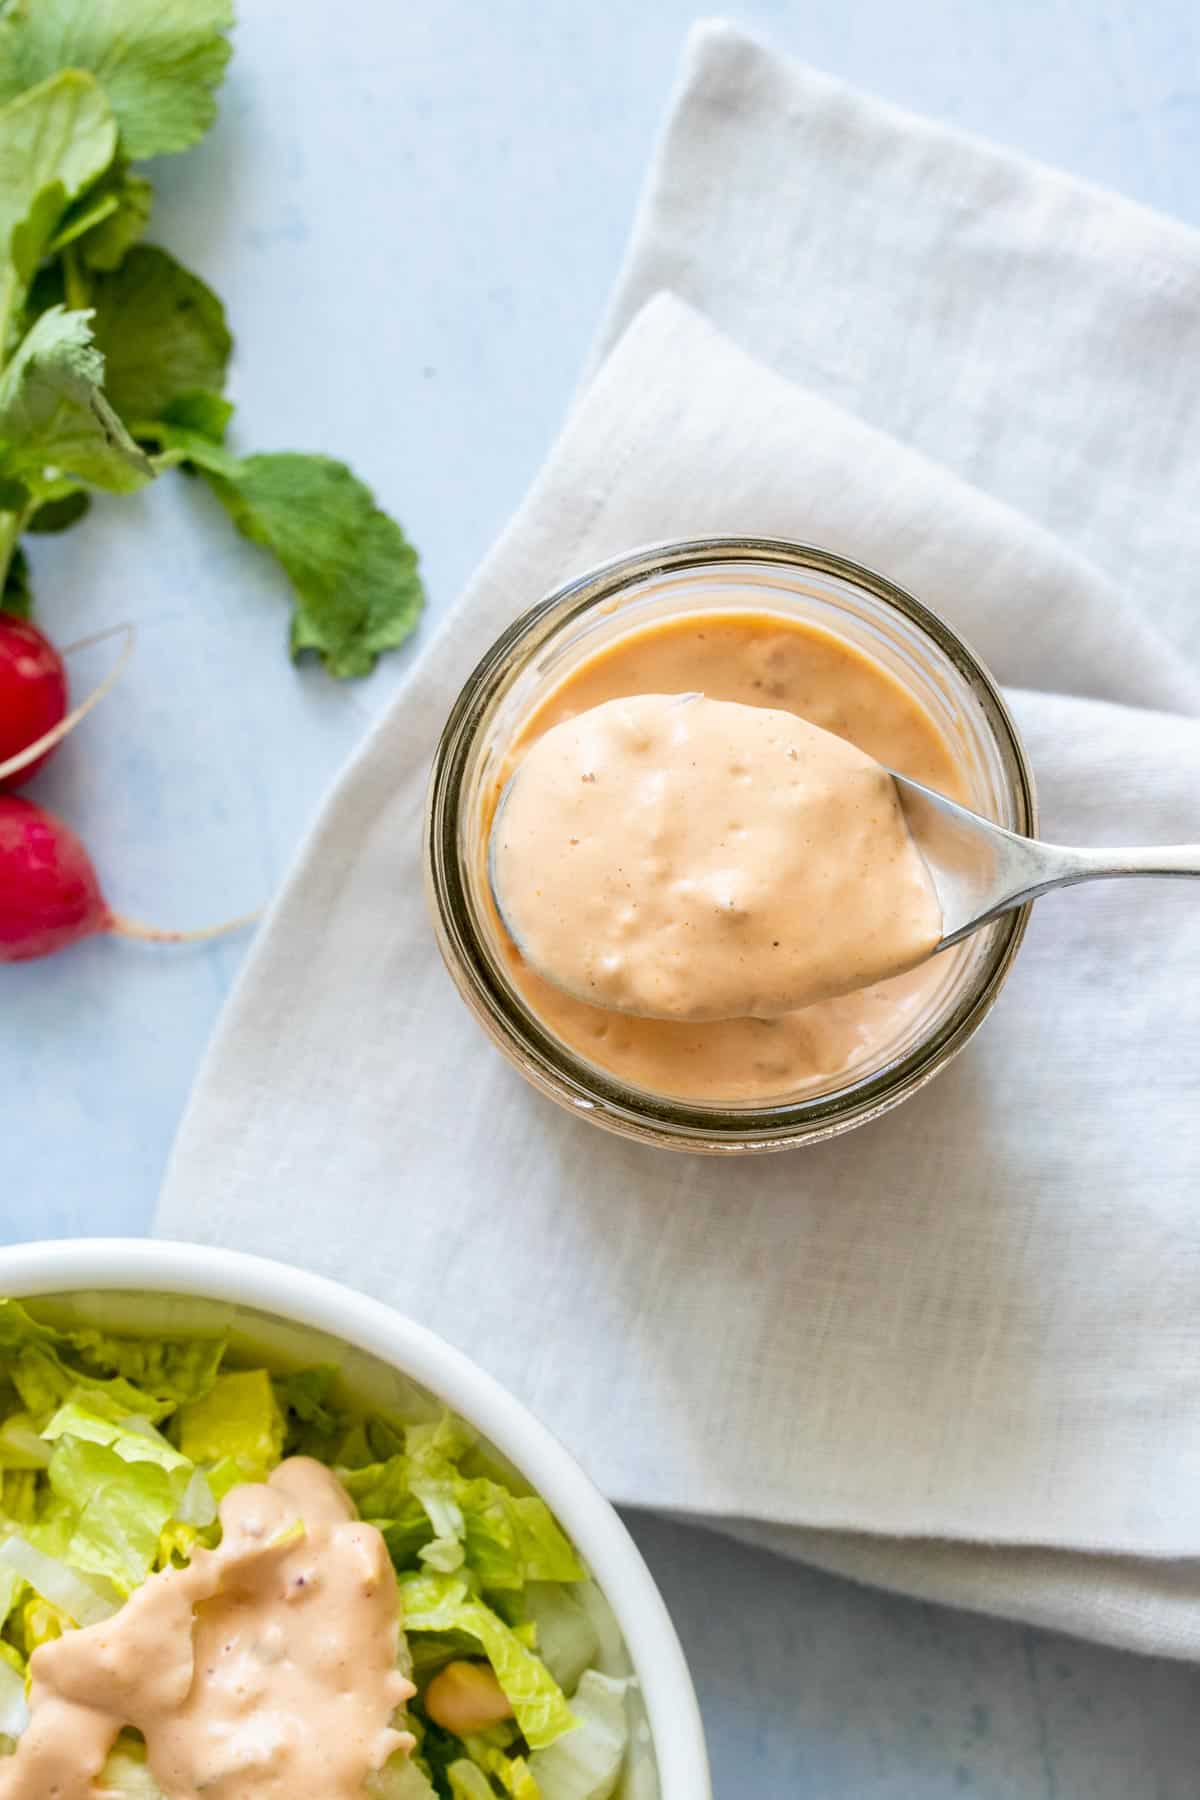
x=124, y=927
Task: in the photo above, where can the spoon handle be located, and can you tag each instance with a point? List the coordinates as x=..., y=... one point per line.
x=1031, y=868
x=1110, y=864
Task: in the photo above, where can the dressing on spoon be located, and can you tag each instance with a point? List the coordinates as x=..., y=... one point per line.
x=690, y=859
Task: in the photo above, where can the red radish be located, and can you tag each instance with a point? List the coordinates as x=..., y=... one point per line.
x=33, y=693
x=49, y=892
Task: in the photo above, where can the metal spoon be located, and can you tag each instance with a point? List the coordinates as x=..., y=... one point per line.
x=980, y=870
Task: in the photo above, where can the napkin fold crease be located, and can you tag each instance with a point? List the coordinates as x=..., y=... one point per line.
x=957, y=1353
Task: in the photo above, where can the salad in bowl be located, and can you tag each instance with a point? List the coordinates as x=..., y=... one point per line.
x=243, y=1556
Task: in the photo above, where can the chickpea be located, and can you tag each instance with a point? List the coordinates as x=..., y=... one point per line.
x=465, y=1697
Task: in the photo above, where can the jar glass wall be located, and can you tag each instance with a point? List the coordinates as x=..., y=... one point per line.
x=726, y=575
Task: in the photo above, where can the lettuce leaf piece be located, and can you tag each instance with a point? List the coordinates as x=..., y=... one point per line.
x=384, y=1437
x=48, y=1367
x=81, y=1598
x=12, y=1584
x=18, y=1496
x=42, y=1622
x=44, y=1381
x=407, y=1534
x=444, y=1603
x=432, y=1650
x=95, y=1419
x=566, y=1639
x=440, y=1441
x=19, y=1328
x=445, y=1554
x=177, y=1543
x=56, y=426
x=125, y=1775
x=237, y=1424
x=544, y=1551
x=14, y=1712
x=503, y=1540
x=306, y=1392
x=587, y=1765
x=509, y=1772
x=21, y=1446
x=401, y=1778
x=512, y=1539
x=159, y=62
x=436, y=1495
x=509, y=1539
x=162, y=333
x=468, y=1781
x=383, y=1496
x=171, y=1369
x=379, y=1490
x=313, y=1425
x=117, y=1510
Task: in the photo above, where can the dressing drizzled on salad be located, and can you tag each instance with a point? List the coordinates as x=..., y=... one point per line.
x=267, y=1666
x=216, y=1582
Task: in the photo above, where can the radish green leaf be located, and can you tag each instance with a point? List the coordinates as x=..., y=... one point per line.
x=159, y=61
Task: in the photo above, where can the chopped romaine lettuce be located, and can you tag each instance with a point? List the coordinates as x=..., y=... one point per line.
x=238, y=1418
x=587, y=1764
x=468, y=1781
x=41, y=1622
x=14, y=1713
x=115, y=1454
x=18, y=1495
x=95, y=1419
x=21, y=1446
x=47, y=1366
x=81, y=1598
x=125, y=1775
x=172, y=1370
x=444, y=1603
x=116, y=1510
x=566, y=1638
x=11, y=1584
x=402, y=1779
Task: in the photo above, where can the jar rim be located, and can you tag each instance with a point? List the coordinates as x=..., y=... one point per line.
x=548, y=1063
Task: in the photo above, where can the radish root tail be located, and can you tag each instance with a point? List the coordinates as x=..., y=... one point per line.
x=58, y=732
x=120, y=926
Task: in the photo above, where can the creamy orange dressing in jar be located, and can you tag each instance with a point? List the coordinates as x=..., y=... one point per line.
x=762, y=660
x=691, y=859
x=267, y=1667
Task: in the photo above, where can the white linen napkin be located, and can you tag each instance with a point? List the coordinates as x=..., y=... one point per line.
x=957, y=1352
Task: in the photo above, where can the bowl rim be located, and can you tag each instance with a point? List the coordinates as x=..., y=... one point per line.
x=206, y=1272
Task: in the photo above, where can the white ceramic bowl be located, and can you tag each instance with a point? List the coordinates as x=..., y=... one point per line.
x=292, y=1318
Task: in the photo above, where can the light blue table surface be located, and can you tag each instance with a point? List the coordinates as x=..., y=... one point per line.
x=414, y=213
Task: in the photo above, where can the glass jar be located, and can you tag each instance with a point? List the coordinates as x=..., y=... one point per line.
x=755, y=575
